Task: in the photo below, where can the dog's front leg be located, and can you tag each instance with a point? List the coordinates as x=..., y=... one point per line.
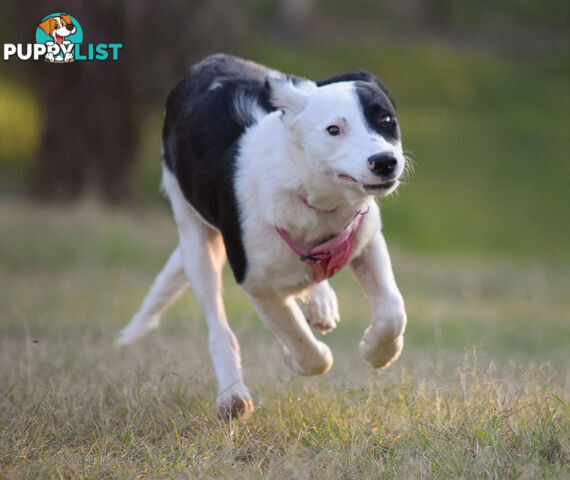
x=304, y=354
x=321, y=307
x=383, y=341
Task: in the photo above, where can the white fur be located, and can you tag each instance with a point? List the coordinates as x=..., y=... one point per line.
x=167, y=286
x=247, y=108
x=288, y=155
x=321, y=307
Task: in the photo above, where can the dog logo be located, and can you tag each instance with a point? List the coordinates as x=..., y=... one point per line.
x=59, y=39
x=60, y=33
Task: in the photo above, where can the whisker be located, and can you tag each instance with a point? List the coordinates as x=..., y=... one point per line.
x=409, y=167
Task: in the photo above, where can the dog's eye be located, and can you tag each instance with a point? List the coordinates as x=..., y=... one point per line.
x=333, y=130
x=386, y=120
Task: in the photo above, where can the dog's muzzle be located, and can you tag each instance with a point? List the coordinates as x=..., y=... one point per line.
x=383, y=165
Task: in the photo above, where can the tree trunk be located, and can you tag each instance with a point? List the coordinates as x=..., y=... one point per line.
x=89, y=131
x=92, y=109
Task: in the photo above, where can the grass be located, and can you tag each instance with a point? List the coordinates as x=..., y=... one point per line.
x=481, y=390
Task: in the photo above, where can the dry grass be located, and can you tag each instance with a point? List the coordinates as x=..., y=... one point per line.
x=480, y=392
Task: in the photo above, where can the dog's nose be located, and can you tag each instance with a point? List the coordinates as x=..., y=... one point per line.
x=382, y=164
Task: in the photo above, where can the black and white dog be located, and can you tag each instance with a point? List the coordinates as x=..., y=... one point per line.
x=279, y=174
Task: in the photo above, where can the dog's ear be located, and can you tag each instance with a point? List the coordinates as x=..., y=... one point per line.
x=47, y=25
x=288, y=94
x=66, y=19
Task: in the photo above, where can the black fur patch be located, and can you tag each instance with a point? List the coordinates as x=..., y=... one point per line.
x=375, y=102
x=377, y=108
x=200, y=138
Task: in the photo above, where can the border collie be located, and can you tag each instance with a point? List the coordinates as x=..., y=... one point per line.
x=279, y=175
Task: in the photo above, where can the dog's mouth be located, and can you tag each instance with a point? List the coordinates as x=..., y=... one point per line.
x=371, y=188
x=380, y=187
x=58, y=39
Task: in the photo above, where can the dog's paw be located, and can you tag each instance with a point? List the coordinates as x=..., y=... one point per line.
x=315, y=364
x=139, y=325
x=378, y=349
x=321, y=308
x=234, y=404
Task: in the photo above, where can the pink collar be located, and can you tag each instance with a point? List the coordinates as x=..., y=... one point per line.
x=329, y=257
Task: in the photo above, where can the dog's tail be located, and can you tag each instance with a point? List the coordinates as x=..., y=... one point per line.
x=168, y=285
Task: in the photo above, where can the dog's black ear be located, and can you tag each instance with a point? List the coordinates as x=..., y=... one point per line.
x=288, y=94
x=359, y=76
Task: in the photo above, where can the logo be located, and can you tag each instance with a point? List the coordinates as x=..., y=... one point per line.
x=59, y=33
x=59, y=39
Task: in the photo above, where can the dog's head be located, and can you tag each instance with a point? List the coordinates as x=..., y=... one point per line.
x=58, y=27
x=346, y=128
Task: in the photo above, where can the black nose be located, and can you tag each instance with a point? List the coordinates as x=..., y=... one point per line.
x=382, y=164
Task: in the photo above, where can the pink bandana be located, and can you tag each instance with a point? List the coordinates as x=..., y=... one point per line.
x=329, y=257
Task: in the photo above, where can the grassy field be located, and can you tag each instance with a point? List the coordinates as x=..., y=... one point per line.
x=481, y=390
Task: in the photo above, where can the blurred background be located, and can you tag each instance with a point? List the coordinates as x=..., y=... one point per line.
x=480, y=231
x=482, y=89
x=479, y=238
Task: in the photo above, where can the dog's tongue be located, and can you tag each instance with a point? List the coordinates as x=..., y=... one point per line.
x=59, y=39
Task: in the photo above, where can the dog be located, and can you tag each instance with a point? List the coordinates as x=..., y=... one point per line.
x=279, y=175
x=58, y=28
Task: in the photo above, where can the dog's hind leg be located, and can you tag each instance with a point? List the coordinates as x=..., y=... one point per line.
x=167, y=286
x=203, y=257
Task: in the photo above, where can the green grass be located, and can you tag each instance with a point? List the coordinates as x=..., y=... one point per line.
x=481, y=390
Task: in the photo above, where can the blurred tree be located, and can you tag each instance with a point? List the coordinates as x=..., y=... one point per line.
x=438, y=13
x=296, y=14
x=92, y=111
